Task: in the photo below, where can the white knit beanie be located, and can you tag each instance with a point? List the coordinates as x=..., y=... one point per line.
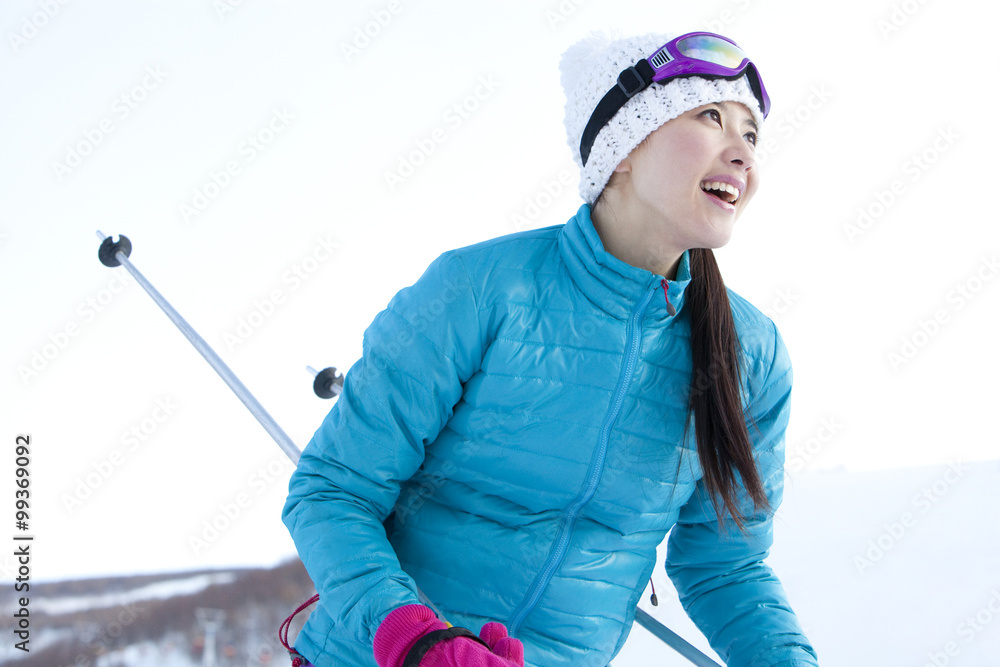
x=590, y=68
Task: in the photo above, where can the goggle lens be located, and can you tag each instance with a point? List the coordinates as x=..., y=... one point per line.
x=711, y=49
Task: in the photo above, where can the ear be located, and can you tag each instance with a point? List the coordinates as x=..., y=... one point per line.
x=624, y=166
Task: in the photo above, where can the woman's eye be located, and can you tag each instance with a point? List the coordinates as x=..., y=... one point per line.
x=751, y=137
x=714, y=113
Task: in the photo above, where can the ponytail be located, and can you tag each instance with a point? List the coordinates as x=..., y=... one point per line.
x=724, y=447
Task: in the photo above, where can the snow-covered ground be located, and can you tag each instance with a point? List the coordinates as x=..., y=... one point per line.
x=157, y=591
x=160, y=654
x=893, y=567
x=82, y=619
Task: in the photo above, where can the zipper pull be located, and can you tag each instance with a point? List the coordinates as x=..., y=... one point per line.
x=670, y=308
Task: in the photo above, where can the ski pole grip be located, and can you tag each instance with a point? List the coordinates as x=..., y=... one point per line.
x=108, y=252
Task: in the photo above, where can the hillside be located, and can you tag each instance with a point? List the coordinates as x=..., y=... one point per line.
x=152, y=619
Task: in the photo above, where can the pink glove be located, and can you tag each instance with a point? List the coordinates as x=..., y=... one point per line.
x=402, y=631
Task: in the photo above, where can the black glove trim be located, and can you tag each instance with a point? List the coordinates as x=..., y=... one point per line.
x=427, y=642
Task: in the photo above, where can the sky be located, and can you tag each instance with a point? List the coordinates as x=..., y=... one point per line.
x=283, y=169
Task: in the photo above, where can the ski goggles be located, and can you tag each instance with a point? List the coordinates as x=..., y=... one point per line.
x=703, y=54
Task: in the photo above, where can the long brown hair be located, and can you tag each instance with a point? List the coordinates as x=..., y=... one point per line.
x=724, y=447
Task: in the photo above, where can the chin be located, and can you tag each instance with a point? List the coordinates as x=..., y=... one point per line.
x=717, y=240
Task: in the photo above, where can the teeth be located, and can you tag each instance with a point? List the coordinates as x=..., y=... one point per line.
x=722, y=187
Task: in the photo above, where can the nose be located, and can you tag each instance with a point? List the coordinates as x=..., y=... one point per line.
x=739, y=151
x=741, y=154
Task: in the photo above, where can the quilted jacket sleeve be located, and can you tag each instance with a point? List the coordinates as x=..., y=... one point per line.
x=417, y=354
x=724, y=585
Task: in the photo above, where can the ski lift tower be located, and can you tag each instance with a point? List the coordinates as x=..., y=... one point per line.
x=210, y=621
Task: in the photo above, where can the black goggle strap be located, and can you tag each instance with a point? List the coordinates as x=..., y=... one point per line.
x=632, y=81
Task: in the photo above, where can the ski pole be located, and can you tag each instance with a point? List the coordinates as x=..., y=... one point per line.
x=328, y=384
x=114, y=254
x=673, y=640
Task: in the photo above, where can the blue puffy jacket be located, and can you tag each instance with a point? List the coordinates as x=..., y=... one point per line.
x=521, y=410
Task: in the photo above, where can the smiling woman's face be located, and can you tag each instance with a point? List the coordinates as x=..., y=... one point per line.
x=694, y=175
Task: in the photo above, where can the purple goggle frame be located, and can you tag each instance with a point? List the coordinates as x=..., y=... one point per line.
x=703, y=54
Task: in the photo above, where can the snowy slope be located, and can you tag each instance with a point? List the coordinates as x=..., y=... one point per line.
x=153, y=619
x=894, y=567
x=157, y=591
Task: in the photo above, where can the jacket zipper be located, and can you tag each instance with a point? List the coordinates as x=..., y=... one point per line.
x=670, y=306
x=573, y=511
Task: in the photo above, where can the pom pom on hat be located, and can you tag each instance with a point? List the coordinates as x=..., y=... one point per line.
x=577, y=62
x=589, y=68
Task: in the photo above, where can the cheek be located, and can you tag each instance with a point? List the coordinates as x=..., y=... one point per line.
x=676, y=165
x=688, y=147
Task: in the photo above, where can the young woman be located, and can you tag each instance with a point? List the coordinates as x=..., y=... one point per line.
x=533, y=415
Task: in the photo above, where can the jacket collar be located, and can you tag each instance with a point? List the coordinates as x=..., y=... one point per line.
x=611, y=284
